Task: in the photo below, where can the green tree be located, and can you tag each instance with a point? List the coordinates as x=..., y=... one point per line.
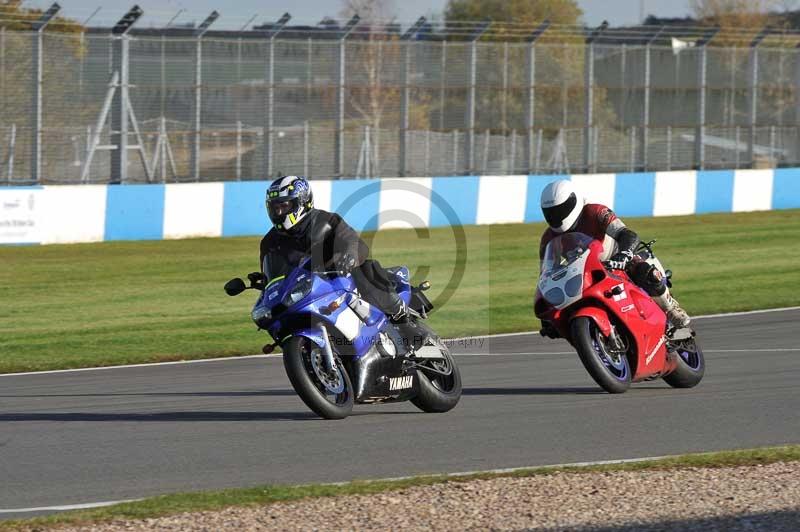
x=526, y=12
x=502, y=84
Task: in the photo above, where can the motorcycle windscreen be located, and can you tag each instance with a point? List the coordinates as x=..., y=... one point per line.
x=561, y=280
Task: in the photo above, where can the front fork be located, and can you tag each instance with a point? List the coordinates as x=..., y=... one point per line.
x=326, y=349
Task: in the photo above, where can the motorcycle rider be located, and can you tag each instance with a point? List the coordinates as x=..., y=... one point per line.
x=565, y=211
x=300, y=230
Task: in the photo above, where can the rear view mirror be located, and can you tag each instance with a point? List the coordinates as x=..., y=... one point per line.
x=234, y=287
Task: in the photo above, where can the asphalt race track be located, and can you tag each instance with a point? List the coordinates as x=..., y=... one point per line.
x=102, y=435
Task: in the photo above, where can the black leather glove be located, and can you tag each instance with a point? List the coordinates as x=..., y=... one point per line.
x=619, y=261
x=257, y=280
x=346, y=263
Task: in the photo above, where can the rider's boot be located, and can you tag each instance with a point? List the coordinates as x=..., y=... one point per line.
x=675, y=314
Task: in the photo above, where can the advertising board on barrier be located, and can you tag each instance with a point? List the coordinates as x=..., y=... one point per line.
x=20, y=215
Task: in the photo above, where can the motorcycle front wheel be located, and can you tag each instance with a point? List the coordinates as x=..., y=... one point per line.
x=328, y=393
x=609, y=368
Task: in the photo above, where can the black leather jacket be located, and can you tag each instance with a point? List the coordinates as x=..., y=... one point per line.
x=323, y=235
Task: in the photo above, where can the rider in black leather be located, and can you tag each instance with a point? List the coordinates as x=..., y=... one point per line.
x=301, y=230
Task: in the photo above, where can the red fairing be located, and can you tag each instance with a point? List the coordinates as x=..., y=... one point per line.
x=611, y=297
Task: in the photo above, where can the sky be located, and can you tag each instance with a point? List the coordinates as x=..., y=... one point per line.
x=237, y=13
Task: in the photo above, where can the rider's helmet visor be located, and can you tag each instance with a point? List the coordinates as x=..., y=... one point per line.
x=556, y=214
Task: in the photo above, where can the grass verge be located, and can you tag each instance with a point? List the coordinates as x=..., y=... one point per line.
x=81, y=305
x=209, y=501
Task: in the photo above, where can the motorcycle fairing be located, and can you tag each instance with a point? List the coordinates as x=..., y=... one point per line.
x=378, y=378
x=566, y=282
x=645, y=319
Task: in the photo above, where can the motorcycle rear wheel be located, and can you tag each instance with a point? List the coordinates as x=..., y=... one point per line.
x=691, y=365
x=613, y=374
x=329, y=394
x=437, y=392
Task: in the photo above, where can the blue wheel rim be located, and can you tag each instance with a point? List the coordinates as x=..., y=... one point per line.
x=688, y=351
x=617, y=368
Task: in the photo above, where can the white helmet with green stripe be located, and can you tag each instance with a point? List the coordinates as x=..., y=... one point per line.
x=289, y=200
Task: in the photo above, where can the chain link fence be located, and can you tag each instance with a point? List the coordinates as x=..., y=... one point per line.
x=252, y=106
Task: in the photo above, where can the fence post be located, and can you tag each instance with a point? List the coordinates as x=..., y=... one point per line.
x=772, y=139
x=645, y=138
x=338, y=155
x=455, y=152
x=198, y=91
x=486, y=140
x=3, y=68
x=530, y=102
x=36, y=142
x=305, y=148
x=442, y=80
x=12, y=141
x=538, y=151
x=427, y=152
x=471, y=79
x=702, y=74
x=119, y=112
x=738, y=142
x=669, y=147
x=513, y=155
x=238, y=150
x=405, y=95
x=588, y=104
x=269, y=103
x=752, y=93
x=504, y=103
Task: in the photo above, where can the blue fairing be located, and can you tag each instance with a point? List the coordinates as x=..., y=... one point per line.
x=325, y=301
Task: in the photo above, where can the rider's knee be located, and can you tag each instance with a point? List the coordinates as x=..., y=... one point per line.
x=649, y=278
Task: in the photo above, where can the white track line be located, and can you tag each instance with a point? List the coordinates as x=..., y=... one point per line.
x=766, y=350
x=465, y=338
x=65, y=507
x=152, y=364
x=746, y=313
x=706, y=316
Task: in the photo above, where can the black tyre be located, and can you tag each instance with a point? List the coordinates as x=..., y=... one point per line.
x=439, y=383
x=691, y=364
x=328, y=393
x=608, y=367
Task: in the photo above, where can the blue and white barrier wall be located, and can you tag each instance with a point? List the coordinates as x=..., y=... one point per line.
x=92, y=213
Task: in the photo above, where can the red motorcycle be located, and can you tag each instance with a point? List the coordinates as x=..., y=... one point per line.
x=621, y=335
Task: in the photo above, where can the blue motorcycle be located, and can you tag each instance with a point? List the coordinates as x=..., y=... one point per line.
x=339, y=350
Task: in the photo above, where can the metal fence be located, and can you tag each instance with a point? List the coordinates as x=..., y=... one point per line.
x=148, y=107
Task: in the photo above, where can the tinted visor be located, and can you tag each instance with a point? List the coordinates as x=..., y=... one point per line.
x=556, y=214
x=278, y=208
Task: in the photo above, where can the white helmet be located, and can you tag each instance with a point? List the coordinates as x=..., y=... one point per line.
x=561, y=205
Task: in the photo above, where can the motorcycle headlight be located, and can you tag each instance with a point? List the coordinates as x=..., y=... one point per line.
x=574, y=285
x=261, y=315
x=298, y=292
x=555, y=296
